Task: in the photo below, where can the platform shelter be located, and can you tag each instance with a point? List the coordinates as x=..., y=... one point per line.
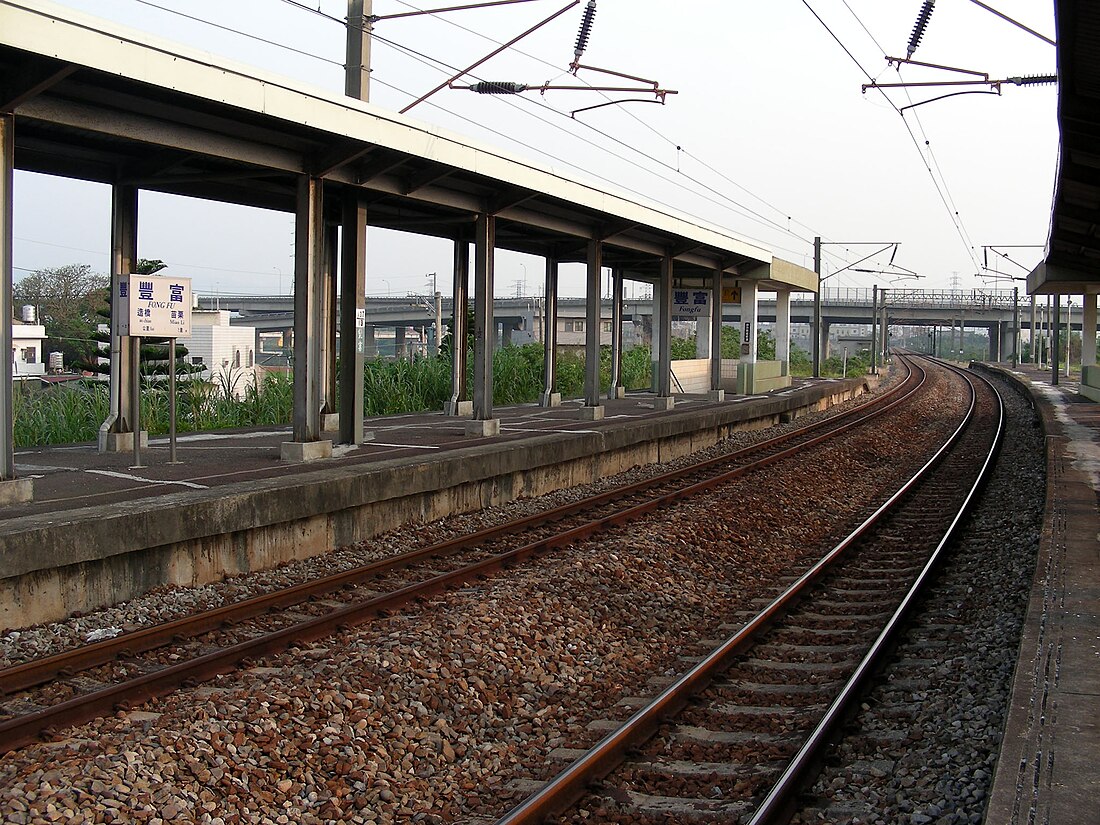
x=1071, y=264
x=90, y=99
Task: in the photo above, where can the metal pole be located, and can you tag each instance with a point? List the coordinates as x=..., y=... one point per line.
x=1015, y=327
x=172, y=401
x=7, y=179
x=664, y=349
x=817, y=310
x=484, y=326
x=874, y=319
x=885, y=331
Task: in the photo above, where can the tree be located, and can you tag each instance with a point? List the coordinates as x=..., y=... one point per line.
x=68, y=299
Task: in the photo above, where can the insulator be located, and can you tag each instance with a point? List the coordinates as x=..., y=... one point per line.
x=1034, y=80
x=498, y=87
x=586, y=29
x=919, y=26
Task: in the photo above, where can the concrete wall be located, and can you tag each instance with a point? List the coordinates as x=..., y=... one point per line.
x=80, y=560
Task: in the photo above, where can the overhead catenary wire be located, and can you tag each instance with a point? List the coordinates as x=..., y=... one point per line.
x=941, y=184
x=627, y=145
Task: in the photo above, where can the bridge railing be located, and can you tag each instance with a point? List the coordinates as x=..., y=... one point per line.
x=961, y=299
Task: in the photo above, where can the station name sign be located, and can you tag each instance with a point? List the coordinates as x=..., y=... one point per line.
x=690, y=304
x=154, y=306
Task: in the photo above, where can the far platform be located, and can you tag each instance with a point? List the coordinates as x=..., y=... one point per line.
x=100, y=530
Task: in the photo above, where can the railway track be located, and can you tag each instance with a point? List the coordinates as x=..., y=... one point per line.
x=739, y=733
x=97, y=679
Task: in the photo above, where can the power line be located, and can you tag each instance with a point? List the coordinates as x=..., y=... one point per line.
x=943, y=192
x=425, y=57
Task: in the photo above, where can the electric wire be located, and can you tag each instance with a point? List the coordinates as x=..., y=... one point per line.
x=409, y=50
x=941, y=190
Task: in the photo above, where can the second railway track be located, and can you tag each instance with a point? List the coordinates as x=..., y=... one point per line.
x=734, y=737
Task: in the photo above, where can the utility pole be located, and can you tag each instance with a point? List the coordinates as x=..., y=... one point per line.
x=817, y=309
x=357, y=64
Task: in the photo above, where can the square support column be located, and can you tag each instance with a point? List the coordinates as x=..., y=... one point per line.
x=615, y=388
x=1088, y=331
x=309, y=260
x=783, y=330
x=592, y=409
x=330, y=417
x=662, y=327
x=12, y=489
x=716, y=392
x=550, y=396
x=116, y=433
x=746, y=369
x=483, y=423
x=459, y=403
x=353, y=315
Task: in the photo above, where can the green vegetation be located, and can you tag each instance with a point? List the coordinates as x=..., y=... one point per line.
x=70, y=413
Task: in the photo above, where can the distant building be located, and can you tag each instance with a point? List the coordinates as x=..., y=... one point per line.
x=226, y=353
x=28, y=339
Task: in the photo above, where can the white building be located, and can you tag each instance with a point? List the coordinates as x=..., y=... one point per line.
x=28, y=339
x=227, y=353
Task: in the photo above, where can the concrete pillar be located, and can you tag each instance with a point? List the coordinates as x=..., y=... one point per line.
x=550, y=396
x=615, y=388
x=116, y=432
x=1088, y=331
x=483, y=423
x=1055, y=338
x=309, y=262
x=826, y=348
x=746, y=369
x=506, y=329
x=592, y=409
x=459, y=403
x=12, y=490
x=783, y=329
x=330, y=420
x=400, y=346
x=715, y=338
x=1033, y=355
x=353, y=316
x=662, y=326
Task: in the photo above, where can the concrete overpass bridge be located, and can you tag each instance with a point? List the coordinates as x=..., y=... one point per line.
x=521, y=319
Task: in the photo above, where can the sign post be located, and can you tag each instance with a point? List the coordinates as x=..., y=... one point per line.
x=157, y=307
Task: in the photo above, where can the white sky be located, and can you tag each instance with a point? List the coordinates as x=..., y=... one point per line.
x=770, y=119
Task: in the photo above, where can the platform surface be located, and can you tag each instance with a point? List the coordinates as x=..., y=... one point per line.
x=69, y=477
x=1049, y=769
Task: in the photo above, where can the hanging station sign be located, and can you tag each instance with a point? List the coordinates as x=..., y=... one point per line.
x=690, y=304
x=154, y=306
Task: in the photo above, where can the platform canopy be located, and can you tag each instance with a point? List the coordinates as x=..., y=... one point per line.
x=97, y=101
x=1072, y=261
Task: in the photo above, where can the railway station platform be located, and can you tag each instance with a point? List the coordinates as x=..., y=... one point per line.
x=99, y=531
x=1049, y=770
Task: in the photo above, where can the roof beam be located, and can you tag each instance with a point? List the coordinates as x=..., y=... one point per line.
x=340, y=157
x=29, y=81
x=426, y=177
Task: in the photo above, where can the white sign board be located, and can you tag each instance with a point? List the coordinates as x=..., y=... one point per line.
x=690, y=304
x=153, y=306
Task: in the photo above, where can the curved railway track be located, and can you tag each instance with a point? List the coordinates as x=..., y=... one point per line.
x=85, y=682
x=735, y=737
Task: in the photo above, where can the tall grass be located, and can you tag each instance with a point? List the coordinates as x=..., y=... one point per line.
x=71, y=413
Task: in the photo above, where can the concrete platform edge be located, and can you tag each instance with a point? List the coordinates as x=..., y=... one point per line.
x=79, y=559
x=1047, y=769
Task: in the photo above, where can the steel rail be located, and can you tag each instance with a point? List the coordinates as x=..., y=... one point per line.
x=570, y=785
x=22, y=730
x=66, y=663
x=778, y=805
